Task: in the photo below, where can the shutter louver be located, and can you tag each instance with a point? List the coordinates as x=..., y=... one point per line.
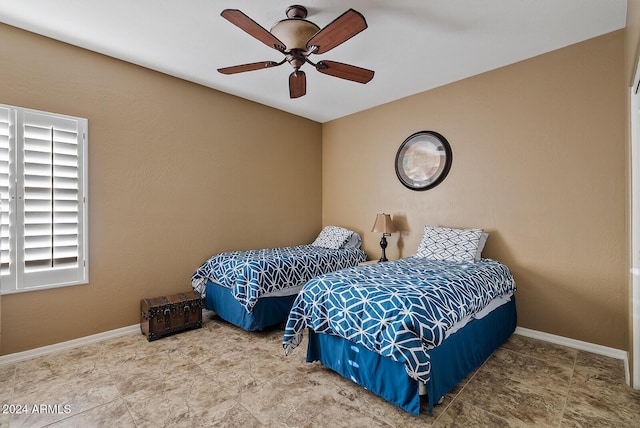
x=51, y=193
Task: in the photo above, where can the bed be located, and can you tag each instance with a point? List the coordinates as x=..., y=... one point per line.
x=410, y=327
x=255, y=289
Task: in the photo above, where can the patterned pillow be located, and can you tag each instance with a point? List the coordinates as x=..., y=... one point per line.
x=332, y=237
x=443, y=243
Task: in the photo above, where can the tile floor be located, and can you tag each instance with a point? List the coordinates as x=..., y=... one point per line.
x=222, y=376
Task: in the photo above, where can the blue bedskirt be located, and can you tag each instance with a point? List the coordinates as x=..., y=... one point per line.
x=267, y=312
x=452, y=361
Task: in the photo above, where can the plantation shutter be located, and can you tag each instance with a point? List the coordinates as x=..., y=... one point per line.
x=53, y=199
x=43, y=234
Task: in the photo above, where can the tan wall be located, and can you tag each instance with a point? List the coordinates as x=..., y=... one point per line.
x=177, y=172
x=632, y=44
x=538, y=160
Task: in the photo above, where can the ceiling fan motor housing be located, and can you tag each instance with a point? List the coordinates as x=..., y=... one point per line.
x=296, y=11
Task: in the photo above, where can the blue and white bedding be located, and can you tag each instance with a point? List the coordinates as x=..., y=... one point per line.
x=252, y=274
x=398, y=309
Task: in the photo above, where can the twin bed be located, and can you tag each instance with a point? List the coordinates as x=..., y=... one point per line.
x=255, y=289
x=411, y=326
x=402, y=329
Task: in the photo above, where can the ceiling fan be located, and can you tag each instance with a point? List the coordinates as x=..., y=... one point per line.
x=298, y=38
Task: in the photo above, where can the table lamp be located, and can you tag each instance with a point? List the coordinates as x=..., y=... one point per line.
x=385, y=226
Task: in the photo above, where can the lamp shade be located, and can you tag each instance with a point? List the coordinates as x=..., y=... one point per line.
x=383, y=224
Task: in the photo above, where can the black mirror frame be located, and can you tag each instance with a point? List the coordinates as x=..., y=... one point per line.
x=433, y=180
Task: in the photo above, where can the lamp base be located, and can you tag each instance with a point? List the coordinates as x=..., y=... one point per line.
x=383, y=245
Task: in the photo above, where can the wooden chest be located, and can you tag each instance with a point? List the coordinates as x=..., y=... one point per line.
x=164, y=315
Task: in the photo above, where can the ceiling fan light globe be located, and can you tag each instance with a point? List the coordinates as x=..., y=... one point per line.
x=294, y=33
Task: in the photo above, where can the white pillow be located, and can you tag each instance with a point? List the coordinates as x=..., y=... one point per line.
x=332, y=237
x=354, y=241
x=443, y=243
x=483, y=240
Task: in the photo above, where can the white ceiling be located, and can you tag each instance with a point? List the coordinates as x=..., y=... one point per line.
x=413, y=45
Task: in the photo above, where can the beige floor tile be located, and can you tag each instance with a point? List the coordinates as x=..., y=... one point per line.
x=230, y=414
x=113, y=414
x=294, y=400
x=530, y=370
x=143, y=372
x=85, y=362
x=594, y=395
x=135, y=347
x=607, y=368
x=340, y=416
x=585, y=418
x=7, y=373
x=186, y=400
x=214, y=339
x=509, y=396
x=461, y=414
x=7, y=382
x=61, y=384
x=236, y=373
x=55, y=399
x=542, y=350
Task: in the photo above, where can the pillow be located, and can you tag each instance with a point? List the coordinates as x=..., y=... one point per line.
x=443, y=243
x=483, y=240
x=354, y=241
x=332, y=237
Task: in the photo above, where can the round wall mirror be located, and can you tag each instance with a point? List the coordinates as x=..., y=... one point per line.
x=423, y=160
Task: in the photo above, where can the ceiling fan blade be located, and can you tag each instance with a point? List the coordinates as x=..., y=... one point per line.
x=345, y=71
x=338, y=31
x=297, y=84
x=252, y=28
x=248, y=67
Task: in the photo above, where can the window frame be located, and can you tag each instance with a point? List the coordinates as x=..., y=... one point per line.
x=18, y=278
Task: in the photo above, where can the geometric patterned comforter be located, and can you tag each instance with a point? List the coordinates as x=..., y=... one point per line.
x=399, y=309
x=253, y=274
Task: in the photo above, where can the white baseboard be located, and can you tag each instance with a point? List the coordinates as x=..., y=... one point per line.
x=70, y=344
x=578, y=344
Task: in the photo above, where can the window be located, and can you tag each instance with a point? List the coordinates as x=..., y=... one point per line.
x=43, y=200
